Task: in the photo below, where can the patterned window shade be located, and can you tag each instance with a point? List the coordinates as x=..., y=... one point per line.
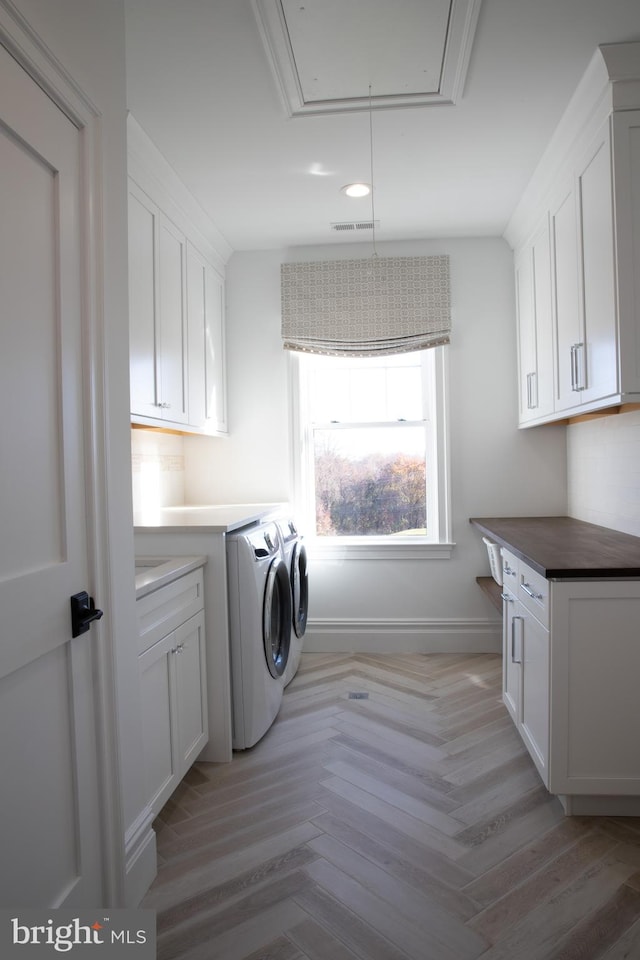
x=364, y=308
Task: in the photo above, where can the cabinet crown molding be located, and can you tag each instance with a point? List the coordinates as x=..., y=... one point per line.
x=150, y=170
x=610, y=83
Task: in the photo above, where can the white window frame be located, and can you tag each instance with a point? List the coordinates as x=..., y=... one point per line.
x=438, y=545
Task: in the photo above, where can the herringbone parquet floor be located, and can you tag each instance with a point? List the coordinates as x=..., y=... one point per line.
x=407, y=823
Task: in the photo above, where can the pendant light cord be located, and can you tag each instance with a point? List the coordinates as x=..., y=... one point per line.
x=373, y=192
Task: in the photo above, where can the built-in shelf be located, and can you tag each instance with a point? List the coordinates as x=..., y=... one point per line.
x=492, y=589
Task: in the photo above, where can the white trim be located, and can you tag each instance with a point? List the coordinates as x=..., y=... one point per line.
x=40, y=63
x=609, y=83
x=457, y=52
x=155, y=176
x=376, y=548
x=436, y=400
x=403, y=636
x=140, y=857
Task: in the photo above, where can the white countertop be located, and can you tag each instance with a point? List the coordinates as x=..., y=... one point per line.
x=206, y=518
x=155, y=572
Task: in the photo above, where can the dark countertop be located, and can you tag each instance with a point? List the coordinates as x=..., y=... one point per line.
x=564, y=548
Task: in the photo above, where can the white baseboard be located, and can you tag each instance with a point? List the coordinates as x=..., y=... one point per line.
x=403, y=636
x=140, y=858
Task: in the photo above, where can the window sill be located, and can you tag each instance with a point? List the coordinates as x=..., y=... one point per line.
x=361, y=548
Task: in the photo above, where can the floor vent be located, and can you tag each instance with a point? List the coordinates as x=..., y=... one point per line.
x=353, y=225
x=358, y=696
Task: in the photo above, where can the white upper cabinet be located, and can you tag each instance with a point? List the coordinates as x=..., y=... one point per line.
x=566, y=287
x=172, y=322
x=157, y=322
x=626, y=170
x=176, y=300
x=598, y=377
x=535, y=342
x=586, y=189
x=207, y=387
x=145, y=392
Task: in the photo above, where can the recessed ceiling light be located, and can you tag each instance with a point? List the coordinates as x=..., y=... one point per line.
x=356, y=189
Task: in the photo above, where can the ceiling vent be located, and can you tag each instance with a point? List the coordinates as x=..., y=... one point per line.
x=353, y=225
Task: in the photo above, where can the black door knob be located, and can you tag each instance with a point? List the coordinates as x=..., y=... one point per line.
x=83, y=613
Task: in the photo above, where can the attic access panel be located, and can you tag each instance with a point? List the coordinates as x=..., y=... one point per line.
x=326, y=53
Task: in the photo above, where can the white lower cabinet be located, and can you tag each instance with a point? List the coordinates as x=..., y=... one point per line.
x=595, y=708
x=526, y=650
x=173, y=691
x=571, y=667
x=534, y=705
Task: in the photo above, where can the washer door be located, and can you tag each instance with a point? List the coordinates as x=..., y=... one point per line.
x=276, y=618
x=299, y=588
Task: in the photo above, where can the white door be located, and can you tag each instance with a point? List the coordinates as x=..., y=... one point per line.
x=49, y=802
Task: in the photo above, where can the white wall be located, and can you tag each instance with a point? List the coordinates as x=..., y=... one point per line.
x=604, y=471
x=496, y=470
x=87, y=37
x=157, y=469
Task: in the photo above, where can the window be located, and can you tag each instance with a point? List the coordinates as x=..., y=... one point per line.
x=370, y=452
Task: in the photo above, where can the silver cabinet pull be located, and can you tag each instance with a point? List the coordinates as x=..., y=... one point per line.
x=515, y=659
x=577, y=367
x=531, y=592
x=507, y=598
x=581, y=377
x=532, y=390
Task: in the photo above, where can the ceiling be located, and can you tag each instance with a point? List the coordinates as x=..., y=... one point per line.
x=258, y=106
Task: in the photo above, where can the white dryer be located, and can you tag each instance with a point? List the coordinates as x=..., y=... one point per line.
x=295, y=557
x=259, y=629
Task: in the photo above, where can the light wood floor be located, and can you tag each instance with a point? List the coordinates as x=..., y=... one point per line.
x=410, y=824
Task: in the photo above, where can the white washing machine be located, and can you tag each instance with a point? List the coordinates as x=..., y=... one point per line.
x=259, y=629
x=295, y=557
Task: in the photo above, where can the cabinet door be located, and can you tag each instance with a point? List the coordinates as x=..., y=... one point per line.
x=542, y=387
x=534, y=711
x=595, y=704
x=527, y=360
x=511, y=656
x=566, y=286
x=191, y=691
x=207, y=367
x=598, y=354
x=172, y=322
x=159, y=721
x=626, y=176
x=535, y=340
x=142, y=300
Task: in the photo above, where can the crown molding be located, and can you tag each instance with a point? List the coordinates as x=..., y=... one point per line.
x=272, y=24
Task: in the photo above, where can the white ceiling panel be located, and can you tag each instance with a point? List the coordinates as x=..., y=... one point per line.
x=327, y=54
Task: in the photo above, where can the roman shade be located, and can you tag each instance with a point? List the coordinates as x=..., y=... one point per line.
x=364, y=308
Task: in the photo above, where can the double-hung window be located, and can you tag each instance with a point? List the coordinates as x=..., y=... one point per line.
x=370, y=451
